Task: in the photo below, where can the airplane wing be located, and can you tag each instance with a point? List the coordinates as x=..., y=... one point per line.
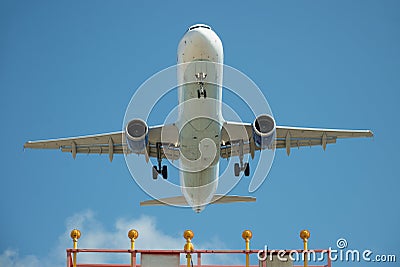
x=286, y=137
x=114, y=143
x=167, y=136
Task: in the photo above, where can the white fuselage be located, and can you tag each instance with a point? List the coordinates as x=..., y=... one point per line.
x=200, y=69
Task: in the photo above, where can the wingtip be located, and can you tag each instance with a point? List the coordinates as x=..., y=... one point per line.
x=371, y=133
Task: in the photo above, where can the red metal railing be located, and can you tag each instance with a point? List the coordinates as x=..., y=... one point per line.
x=189, y=251
x=198, y=253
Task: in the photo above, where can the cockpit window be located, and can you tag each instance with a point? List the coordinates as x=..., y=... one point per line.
x=199, y=26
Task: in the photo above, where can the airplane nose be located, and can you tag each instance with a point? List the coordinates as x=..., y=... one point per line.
x=198, y=39
x=200, y=44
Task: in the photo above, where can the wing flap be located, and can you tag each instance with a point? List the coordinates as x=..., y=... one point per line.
x=94, y=149
x=232, y=150
x=302, y=142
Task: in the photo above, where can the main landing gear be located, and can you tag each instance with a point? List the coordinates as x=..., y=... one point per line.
x=242, y=166
x=163, y=170
x=202, y=91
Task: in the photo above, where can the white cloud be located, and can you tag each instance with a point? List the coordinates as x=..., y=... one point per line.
x=11, y=258
x=94, y=235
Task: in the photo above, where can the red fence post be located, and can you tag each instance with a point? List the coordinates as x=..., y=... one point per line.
x=69, y=260
x=329, y=258
x=198, y=259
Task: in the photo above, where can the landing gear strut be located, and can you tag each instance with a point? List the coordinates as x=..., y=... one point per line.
x=160, y=169
x=241, y=166
x=202, y=91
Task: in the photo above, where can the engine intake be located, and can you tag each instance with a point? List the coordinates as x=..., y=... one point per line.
x=137, y=135
x=264, y=131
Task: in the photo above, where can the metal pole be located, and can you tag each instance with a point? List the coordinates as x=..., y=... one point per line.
x=305, y=254
x=133, y=235
x=188, y=248
x=75, y=235
x=247, y=235
x=305, y=235
x=188, y=259
x=74, y=257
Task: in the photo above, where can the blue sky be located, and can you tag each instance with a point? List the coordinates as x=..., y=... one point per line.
x=69, y=68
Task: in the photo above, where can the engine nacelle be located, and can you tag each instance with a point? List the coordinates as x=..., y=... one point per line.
x=137, y=135
x=264, y=131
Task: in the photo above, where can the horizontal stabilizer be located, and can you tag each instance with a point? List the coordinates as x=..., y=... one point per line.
x=178, y=201
x=181, y=201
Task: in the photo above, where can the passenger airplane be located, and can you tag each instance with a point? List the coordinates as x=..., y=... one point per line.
x=199, y=123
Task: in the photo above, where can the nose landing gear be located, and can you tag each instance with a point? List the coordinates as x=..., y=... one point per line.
x=200, y=76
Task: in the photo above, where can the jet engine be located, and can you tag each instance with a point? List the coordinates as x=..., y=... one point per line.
x=264, y=131
x=136, y=132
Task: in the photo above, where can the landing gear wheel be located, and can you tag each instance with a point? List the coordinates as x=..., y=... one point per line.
x=205, y=94
x=198, y=94
x=155, y=172
x=236, y=169
x=247, y=170
x=164, y=172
